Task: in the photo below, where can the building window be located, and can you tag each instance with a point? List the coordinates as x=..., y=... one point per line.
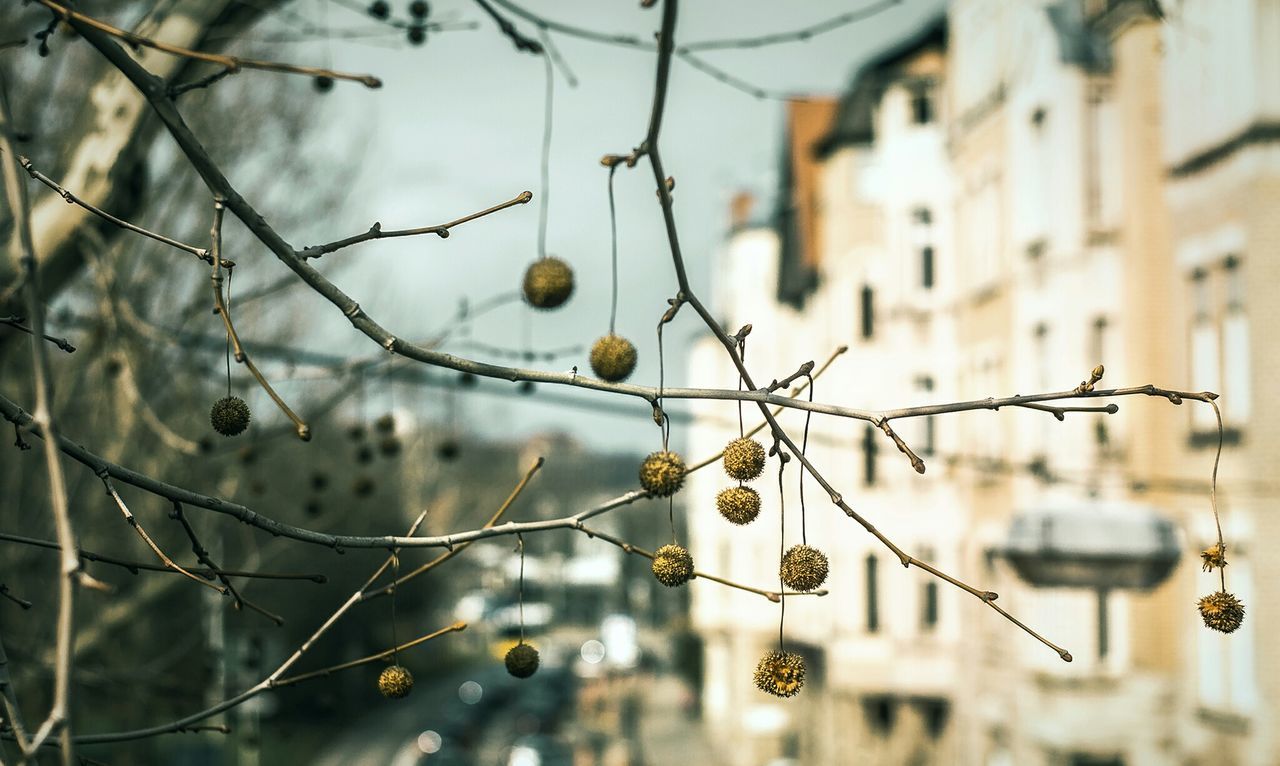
x=923, y=102
x=869, y=448
x=873, y=588
x=922, y=240
x=929, y=607
x=1220, y=358
x=1237, y=385
x=928, y=439
x=868, y=311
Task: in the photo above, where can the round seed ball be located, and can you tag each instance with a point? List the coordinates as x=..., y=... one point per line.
x=386, y=423
x=673, y=565
x=662, y=473
x=548, y=283
x=395, y=682
x=1221, y=611
x=780, y=674
x=613, y=358
x=740, y=505
x=522, y=660
x=744, y=459
x=803, y=568
x=229, y=416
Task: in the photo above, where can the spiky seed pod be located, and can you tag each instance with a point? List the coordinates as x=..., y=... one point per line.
x=386, y=424
x=417, y=34
x=322, y=84
x=522, y=660
x=395, y=682
x=1213, y=557
x=662, y=473
x=803, y=568
x=379, y=9
x=780, y=674
x=229, y=416
x=363, y=486
x=613, y=358
x=744, y=458
x=389, y=447
x=548, y=283
x=673, y=565
x=1221, y=611
x=419, y=9
x=740, y=505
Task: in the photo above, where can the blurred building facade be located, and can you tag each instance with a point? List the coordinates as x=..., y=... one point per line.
x=1020, y=191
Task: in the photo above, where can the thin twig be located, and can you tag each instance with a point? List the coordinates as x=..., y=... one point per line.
x=58, y=719
x=22, y=602
x=457, y=626
x=135, y=567
x=202, y=555
x=16, y=323
x=71, y=198
x=442, y=230
x=772, y=595
x=233, y=63
x=146, y=538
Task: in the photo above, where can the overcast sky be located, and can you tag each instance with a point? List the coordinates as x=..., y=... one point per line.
x=458, y=127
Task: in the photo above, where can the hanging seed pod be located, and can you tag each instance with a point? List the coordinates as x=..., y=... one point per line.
x=780, y=674
x=613, y=358
x=548, y=283
x=1221, y=611
x=744, y=459
x=662, y=473
x=229, y=415
x=740, y=505
x=803, y=568
x=389, y=447
x=522, y=660
x=385, y=424
x=395, y=682
x=672, y=565
x=1213, y=557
